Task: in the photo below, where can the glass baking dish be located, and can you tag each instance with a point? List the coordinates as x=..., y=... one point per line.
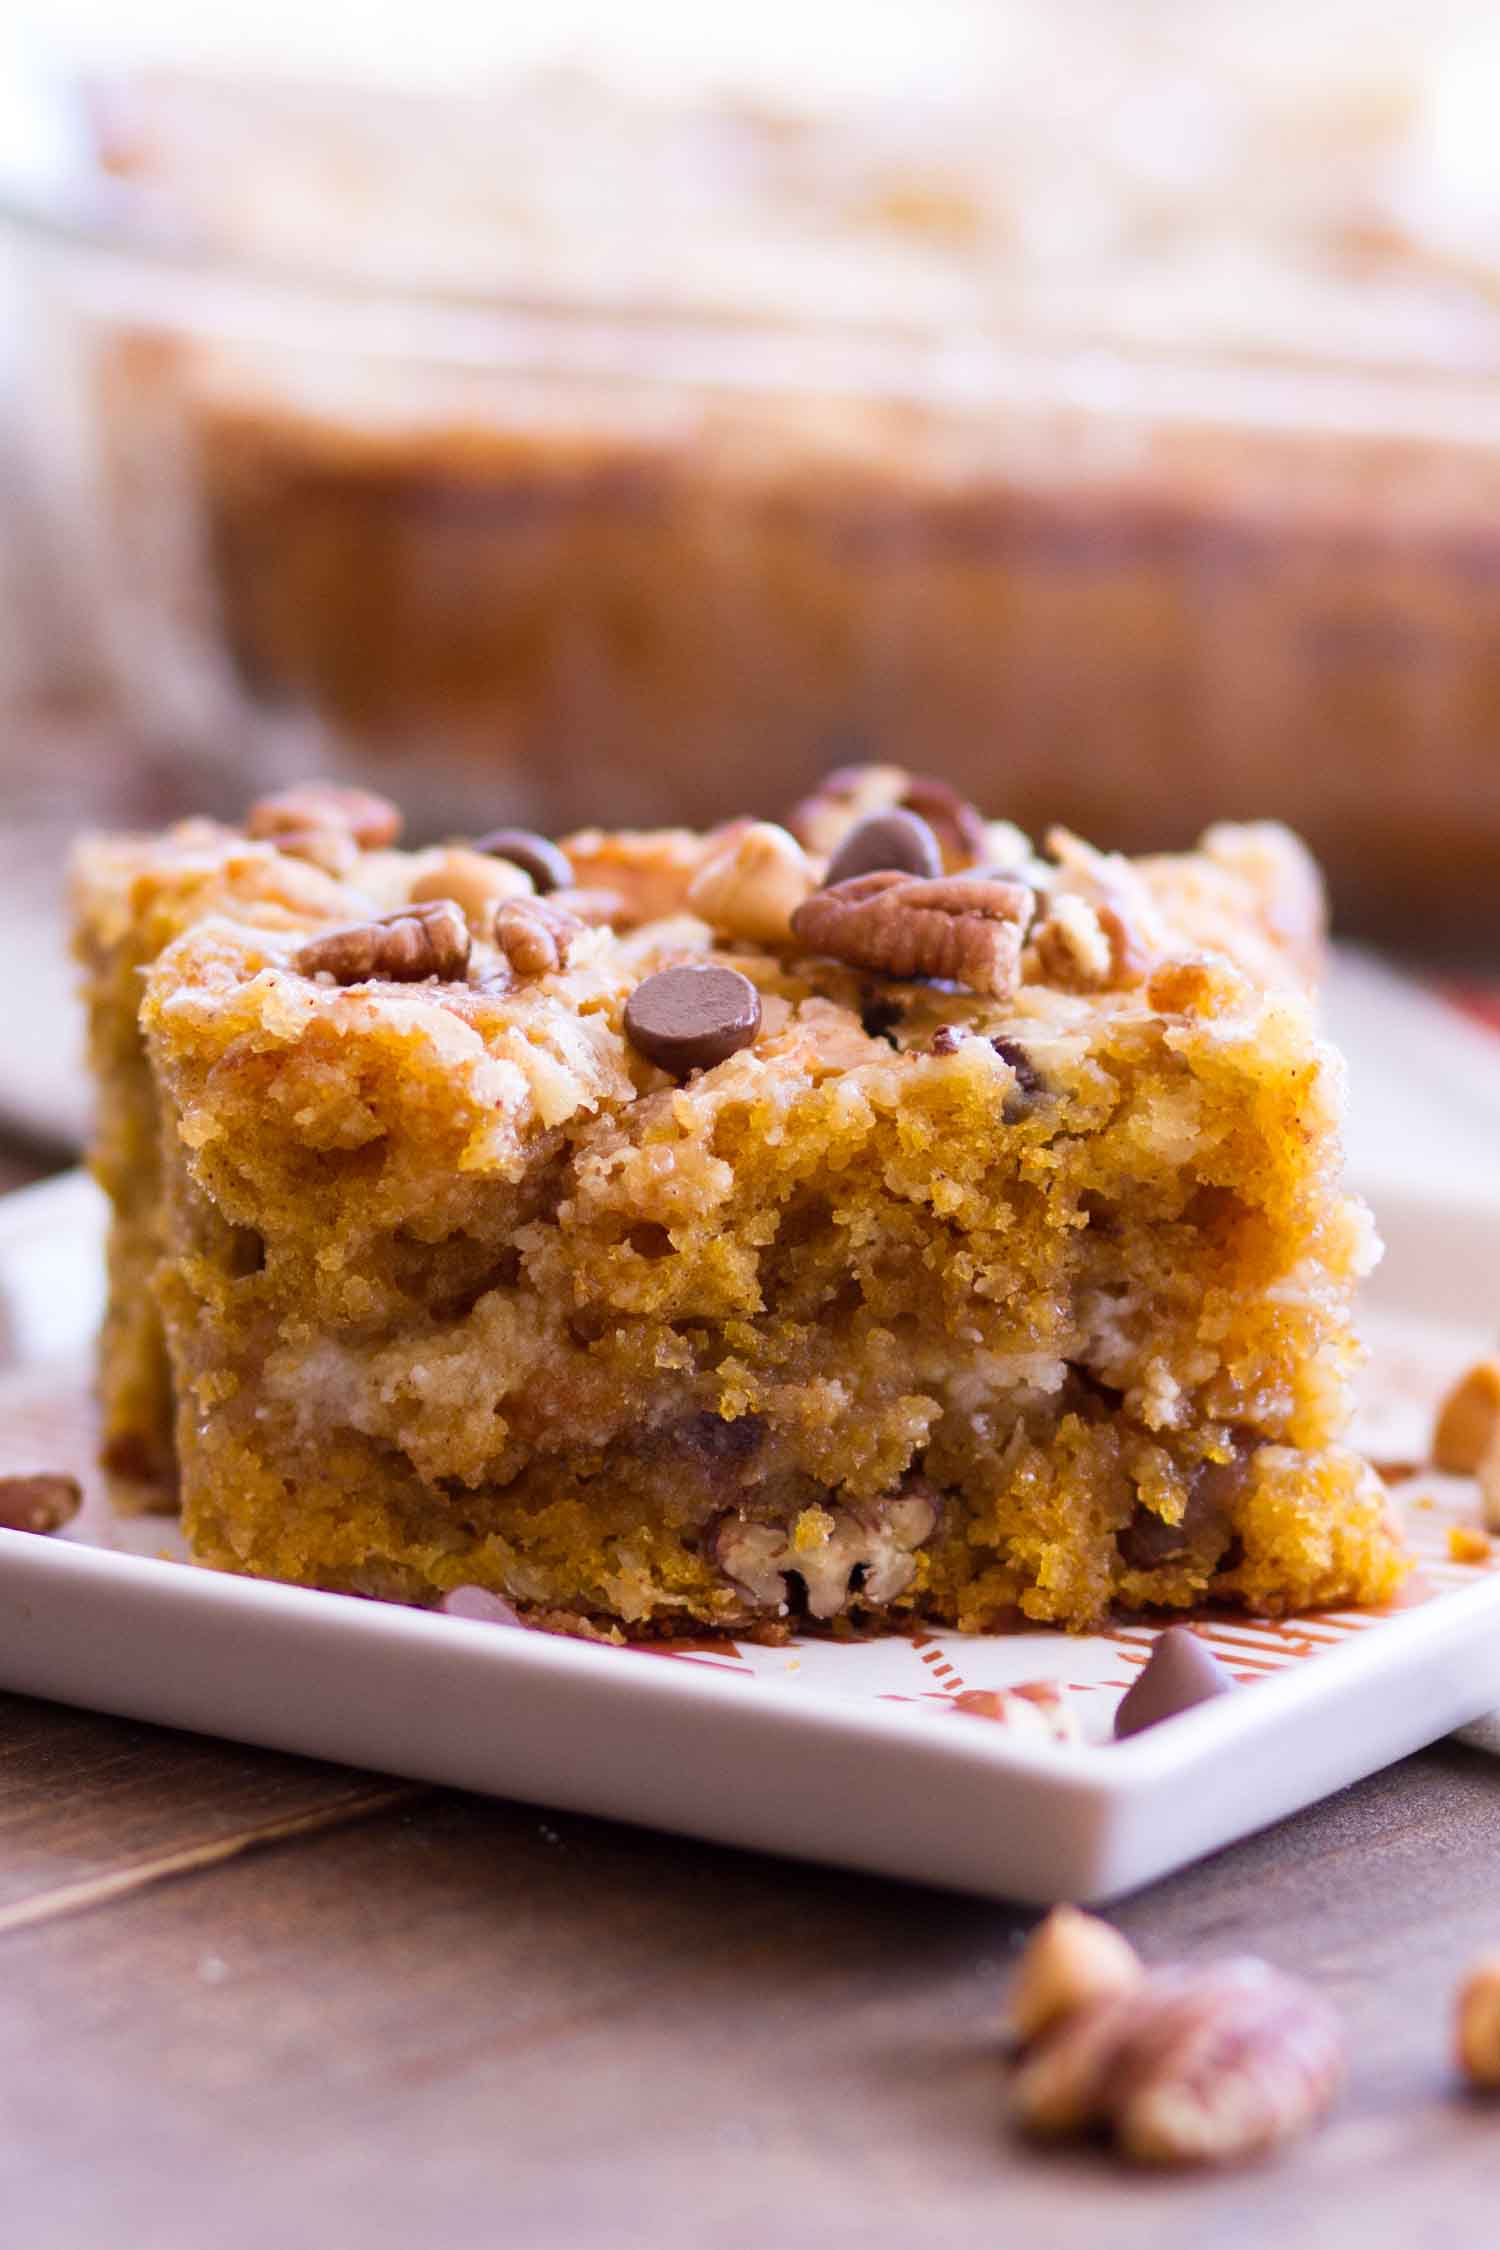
x=557, y=555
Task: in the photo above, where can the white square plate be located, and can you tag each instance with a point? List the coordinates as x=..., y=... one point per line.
x=874, y=1755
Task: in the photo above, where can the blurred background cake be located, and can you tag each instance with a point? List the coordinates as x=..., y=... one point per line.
x=1097, y=403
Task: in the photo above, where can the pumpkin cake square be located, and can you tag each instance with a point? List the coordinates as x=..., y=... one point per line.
x=865, y=1221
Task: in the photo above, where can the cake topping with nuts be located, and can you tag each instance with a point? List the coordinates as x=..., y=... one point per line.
x=850, y=795
x=1179, y=1673
x=537, y=856
x=966, y=932
x=42, y=1502
x=414, y=943
x=897, y=839
x=688, y=1018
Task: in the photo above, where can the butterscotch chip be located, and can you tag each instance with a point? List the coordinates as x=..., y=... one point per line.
x=751, y=883
x=1070, y=1961
x=536, y=935
x=1477, y=2023
x=890, y=839
x=332, y=849
x=687, y=1018
x=43, y=1502
x=1468, y=1420
x=416, y=942
x=537, y=856
x=372, y=821
x=1466, y=1545
x=965, y=931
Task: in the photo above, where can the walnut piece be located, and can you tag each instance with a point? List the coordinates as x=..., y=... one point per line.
x=474, y=881
x=826, y=1546
x=965, y=930
x=752, y=883
x=536, y=935
x=1476, y=2024
x=1189, y=2066
x=1071, y=1960
x=372, y=822
x=430, y=940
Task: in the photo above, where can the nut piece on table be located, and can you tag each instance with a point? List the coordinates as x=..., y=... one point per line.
x=967, y=931
x=1468, y=1420
x=751, y=884
x=416, y=942
x=548, y=867
x=1476, y=2023
x=826, y=1546
x=43, y=1501
x=372, y=822
x=1070, y=1961
x=1190, y=2066
x=536, y=935
x=473, y=881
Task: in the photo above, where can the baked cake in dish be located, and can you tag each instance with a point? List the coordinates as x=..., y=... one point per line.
x=866, y=1220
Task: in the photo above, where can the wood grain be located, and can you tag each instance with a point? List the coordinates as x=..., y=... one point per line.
x=454, y=2022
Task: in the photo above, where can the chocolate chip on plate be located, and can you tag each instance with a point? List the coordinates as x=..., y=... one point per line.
x=886, y=840
x=44, y=1502
x=690, y=1017
x=1179, y=1673
x=536, y=856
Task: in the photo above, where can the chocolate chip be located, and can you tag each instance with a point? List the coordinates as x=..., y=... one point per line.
x=1028, y=1079
x=479, y=1606
x=44, y=1502
x=895, y=840
x=1179, y=1673
x=536, y=856
x=880, y=1017
x=689, y=1018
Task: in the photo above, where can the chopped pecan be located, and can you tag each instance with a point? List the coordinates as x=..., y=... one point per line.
x=826, y=1546
x=1188, y=2066
x=536, y=935
x=968, y=932
x=429, y=940
x=371, y=821
x=1084, y=946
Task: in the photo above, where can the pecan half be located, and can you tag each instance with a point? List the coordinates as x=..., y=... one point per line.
x=371, y=821
x=826, y=1546
x=969, y=932
x=1189, y=2066
x=430, y=940
x=536, y=935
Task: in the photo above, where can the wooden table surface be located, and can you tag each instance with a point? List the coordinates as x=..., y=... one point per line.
x=249, y=2002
